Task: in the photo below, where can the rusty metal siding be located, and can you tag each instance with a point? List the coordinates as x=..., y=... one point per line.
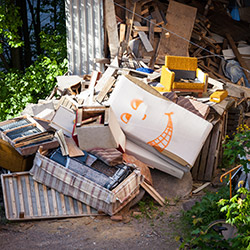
x=85, y=35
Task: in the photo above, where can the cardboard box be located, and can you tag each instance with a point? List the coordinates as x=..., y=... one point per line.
x=103, y=133
x=54, y=175
x=146, y=115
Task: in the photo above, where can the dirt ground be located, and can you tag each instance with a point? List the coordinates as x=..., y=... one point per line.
x=144, y=226
x=157, y=230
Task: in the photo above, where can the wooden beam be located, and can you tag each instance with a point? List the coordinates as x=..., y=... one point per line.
x=107, y=86
x=238, y=55
x=111, y=26
x=146, y=29
x=152, y=30
x=144, y=39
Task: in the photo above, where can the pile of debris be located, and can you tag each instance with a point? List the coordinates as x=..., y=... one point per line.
x=89, y=147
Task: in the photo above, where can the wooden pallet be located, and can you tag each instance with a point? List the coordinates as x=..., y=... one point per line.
x=26, y=199
x=208, y=159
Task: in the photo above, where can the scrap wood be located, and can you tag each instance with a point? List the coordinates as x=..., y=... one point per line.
x=108, y=85
x=153, y=193
x=144, y=38
x=144, y=168
x=180, y=20
x=60, y=137
x=35, y=140
x=107, y=74
x=111, y=26
x=146, y=28
x=73, y=150
x=238, y=55
x=197, y=190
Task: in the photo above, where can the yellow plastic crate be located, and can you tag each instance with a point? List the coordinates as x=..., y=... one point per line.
x=218, y=96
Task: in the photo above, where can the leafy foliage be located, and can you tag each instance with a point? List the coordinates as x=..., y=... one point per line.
x=199, y=217
x=235, y=150
x=10, y=21
x=18, y=88
x=237, y=211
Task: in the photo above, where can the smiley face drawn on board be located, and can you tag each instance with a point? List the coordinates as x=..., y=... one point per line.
x=160, y=142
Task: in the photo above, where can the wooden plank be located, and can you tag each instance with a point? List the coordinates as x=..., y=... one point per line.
x=229, y=54
x=212, y=151
x=107, y=74
x=111, y=26
x=73, y=150
x=6, y=193
x=157, y=49
x=107, y=86
x=153, y=193
x=147, y=29
x=238, y=55
x=20, y=193
x=46, y=202
x=204, y=155
x=144, y=39
x=195, y=168
x=29, y=195
x=157, y=15
x=71, y=205
x=63, y=204
x=180, y=20
x=152, y=30
x=39, y=212
x=53, y=194
x=122, y=32
x=197, y=190
x=13, y=200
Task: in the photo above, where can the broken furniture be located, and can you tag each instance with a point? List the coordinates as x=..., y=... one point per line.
x=25, y=134
x=26, y=199
x=97, y=127
x=12, y=160
x=182, y=74
x=68, y=182
x=152, y=120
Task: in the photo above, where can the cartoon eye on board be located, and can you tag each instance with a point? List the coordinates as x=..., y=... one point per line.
x=163, y=140
x=135, y=103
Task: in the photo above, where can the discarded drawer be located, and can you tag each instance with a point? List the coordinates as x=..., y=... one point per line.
x=70, y=183
x=105, y=132
x=26, y=135
x=26, y=199
x=12, y=160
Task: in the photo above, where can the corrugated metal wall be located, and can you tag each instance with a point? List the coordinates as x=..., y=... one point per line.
x=85, y=35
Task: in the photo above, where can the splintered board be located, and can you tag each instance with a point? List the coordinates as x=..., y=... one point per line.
x=26, y=199
x=180, y=22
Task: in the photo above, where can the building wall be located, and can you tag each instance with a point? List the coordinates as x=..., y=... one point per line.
x=85, y=35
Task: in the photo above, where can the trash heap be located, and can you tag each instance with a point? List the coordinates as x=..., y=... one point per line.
x=89, y=147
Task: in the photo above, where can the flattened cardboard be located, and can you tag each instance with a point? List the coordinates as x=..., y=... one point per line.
x=171, y=129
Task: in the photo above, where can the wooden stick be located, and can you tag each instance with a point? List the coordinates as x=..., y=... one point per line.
x=157, y=197
x=238, y=55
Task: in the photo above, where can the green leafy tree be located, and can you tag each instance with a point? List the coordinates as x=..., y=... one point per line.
x=237, y=211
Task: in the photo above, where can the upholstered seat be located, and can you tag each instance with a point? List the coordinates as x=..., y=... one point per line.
x=182, y=74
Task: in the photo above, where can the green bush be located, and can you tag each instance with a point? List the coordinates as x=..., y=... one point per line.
x=238, y=146
x=237, y=211
x=198, y=219
x=19, y=88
